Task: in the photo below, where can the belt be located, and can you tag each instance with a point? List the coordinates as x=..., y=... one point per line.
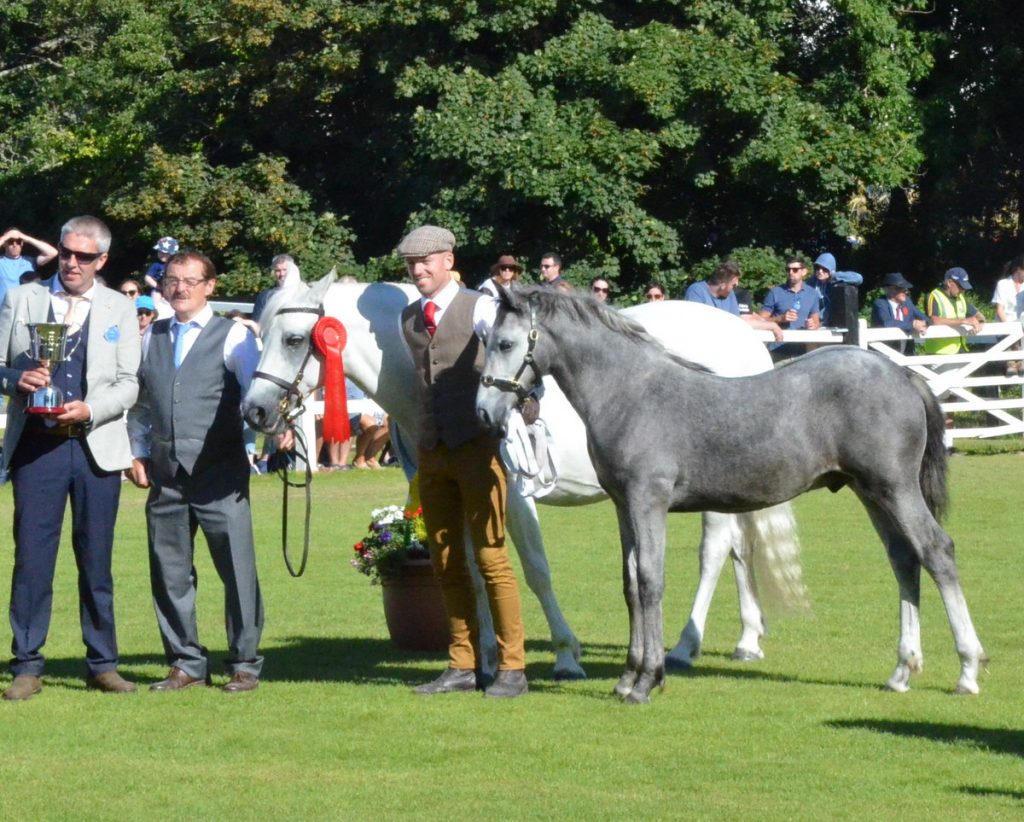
x=72, y=430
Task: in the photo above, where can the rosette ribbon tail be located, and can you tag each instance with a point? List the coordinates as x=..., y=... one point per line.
x=329, y=337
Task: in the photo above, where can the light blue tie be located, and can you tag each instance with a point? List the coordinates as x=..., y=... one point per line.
x=179, y=341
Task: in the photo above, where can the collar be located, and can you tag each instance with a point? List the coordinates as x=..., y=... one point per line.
x=57, y=289
x=201, y=319
x=443, y=298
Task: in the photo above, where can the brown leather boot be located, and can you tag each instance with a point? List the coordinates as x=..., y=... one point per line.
x=25, y=686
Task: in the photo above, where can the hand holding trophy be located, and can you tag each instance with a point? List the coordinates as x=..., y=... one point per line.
x=48, y=345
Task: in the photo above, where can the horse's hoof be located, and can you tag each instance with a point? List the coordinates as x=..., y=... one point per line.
x=968, y=688
x=897, y=686
x=637, y=698
x=745, y=655
x=567, y=674
x=682, y=666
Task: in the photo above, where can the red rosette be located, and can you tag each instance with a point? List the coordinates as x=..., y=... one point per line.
x=329, y=337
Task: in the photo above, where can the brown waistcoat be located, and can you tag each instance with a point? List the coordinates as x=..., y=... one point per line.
x=448, y=367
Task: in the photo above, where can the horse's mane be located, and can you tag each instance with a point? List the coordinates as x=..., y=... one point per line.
x=585, y=310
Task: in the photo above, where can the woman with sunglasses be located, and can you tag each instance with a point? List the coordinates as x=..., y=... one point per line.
x=504, y=272
x=14, y=263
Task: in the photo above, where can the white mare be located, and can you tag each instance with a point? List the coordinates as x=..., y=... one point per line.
x=377, y=359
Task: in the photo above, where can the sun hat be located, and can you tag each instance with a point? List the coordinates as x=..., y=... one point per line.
x=506, y=261
x=895, y=280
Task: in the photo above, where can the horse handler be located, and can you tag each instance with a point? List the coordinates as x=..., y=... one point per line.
x=462, y=478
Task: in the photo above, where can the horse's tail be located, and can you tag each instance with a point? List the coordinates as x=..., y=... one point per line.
x=934, y=462
x=771, y=545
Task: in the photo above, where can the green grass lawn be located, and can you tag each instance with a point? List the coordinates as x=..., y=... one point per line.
x=334, y=732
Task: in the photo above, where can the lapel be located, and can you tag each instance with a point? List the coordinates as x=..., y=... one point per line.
x=100, y=313
x=38, y=303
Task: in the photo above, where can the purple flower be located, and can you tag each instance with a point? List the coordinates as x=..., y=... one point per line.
x=385, y=537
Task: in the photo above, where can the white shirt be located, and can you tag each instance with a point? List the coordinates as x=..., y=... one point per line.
x=241, y=357
x=485, y=311
x=60, y=301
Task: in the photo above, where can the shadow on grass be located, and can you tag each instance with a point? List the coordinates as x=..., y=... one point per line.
x=991, y=740
x=988, y=792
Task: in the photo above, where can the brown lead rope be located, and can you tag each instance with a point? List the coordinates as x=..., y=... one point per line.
x=302, y=452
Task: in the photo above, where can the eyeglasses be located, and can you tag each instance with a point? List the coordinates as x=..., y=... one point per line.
x=130, y=292
x=173, y=282
x=599, y=289
x=654, y=295
x=83, y=257
x=794, y=268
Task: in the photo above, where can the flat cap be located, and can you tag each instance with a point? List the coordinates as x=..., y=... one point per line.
x=427, y=239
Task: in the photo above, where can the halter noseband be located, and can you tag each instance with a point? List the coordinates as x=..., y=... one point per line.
x=514, y=384
x=292, y=389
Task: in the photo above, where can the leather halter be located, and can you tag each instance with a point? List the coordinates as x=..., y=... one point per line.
x=291, y=389
x=514, y=384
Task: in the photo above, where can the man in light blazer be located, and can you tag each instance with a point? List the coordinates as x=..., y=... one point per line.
x=78, y=453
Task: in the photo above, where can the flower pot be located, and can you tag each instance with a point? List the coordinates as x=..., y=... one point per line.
x=414, y=610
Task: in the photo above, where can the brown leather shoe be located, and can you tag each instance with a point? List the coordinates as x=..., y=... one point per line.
x=178, y=680
x=25, y=686
x=111, y=682
x=241, y=681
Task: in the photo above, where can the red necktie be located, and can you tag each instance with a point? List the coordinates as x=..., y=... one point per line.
x=429, y=310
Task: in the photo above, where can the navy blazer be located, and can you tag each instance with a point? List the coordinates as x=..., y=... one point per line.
x=881, y=315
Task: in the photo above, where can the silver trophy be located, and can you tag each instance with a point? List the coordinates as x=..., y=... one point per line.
x=48, y=345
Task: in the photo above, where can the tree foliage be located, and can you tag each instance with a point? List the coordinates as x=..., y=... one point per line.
x=637, y=139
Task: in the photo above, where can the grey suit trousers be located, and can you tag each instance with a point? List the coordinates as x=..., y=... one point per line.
x=216, y=501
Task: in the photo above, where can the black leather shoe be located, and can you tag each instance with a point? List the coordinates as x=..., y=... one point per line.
x=452, y=679
x=508, y=684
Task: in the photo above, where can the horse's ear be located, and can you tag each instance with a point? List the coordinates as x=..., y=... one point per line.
x=507, y=297
x=319, y=288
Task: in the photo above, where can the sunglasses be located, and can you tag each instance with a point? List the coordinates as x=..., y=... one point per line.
x=14, y=241
x=83, y=257
x=794, y=268
x=130, y=292
x=506, y=268
x=598, y=289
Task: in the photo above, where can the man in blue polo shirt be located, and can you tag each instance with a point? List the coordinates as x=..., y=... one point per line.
x=795, y=304
x=792, y=306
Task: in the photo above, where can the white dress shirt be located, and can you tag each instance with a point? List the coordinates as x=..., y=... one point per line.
x=241, y=357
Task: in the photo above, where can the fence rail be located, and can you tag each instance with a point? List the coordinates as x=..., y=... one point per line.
x=969, y=385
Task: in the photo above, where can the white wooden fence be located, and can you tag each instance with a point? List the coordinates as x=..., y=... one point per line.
x=966, y=382
x=972, y=381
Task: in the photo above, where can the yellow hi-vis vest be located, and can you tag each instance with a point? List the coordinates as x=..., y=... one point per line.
x=939, y=304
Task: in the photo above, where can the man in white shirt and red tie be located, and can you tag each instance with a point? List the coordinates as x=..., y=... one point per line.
x=77, y=454
x=461, y=476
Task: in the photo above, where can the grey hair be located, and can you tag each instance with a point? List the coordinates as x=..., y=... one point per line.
x=91, y=227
